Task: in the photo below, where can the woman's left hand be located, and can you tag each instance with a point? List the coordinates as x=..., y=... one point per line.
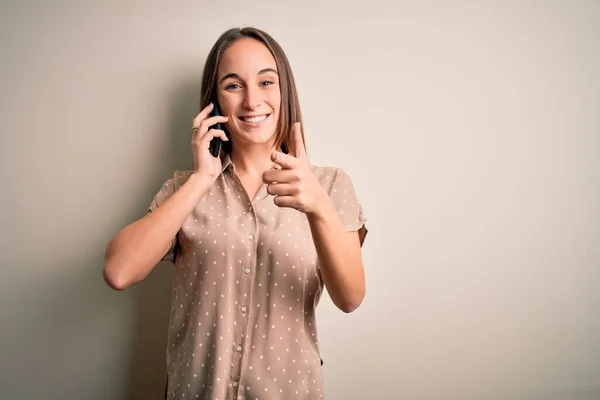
x=295, y=185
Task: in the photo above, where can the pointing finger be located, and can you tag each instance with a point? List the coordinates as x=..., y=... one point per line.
x=284, y=160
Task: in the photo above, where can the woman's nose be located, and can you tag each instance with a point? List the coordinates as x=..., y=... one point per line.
x=252, y=99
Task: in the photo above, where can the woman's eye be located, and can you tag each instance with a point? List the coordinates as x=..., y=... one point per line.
x=232, y=86
x=267, y=83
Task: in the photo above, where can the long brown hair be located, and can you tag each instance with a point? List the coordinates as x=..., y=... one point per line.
x=290, y=108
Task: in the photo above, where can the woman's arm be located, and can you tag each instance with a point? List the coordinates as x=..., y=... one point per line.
x=136, y=249
x=338, y=249
x=340, y=257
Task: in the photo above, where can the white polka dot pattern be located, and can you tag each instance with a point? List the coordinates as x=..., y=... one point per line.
x=246, y=284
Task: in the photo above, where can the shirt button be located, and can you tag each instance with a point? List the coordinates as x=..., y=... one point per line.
x=239, y=348
x=243, y=309
x=247, y=270
x=250, y=236
x=235, y=384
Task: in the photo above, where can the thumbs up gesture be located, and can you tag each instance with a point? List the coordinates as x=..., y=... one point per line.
x=294, y=185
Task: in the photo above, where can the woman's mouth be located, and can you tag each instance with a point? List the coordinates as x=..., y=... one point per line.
x=254, y=120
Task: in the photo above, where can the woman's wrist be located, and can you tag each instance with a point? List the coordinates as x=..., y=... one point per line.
x=199, y=183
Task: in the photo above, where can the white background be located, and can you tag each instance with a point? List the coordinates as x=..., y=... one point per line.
x=470, y=130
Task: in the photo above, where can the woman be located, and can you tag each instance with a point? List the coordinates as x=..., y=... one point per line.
x=256, y=234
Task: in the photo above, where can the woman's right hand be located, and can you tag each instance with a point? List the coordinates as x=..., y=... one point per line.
x=205, y=165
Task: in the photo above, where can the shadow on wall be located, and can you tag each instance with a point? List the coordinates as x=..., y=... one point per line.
x=153, y=295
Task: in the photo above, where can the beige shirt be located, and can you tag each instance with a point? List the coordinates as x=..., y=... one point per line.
x=246, y=284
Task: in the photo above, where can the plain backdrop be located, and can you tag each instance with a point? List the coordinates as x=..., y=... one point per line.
x=471, y=131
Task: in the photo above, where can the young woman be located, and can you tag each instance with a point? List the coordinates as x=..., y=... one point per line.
x=255, y=234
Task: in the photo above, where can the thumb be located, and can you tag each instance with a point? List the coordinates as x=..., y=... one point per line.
x=298, y=141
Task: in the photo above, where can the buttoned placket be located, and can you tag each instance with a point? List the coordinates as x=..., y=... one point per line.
x=242, y=328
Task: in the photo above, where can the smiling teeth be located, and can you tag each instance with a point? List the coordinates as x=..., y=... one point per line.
x=254, y=120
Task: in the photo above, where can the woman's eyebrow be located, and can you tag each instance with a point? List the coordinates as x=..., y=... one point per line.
x=236, y=76
x=267, y=70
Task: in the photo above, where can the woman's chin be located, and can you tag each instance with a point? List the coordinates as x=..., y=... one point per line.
x=255, y=138
x=260, y=142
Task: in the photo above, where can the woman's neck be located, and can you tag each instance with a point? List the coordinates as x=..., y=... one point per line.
x=252, y=161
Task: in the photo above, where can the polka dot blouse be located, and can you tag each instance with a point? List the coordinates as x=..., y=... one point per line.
x=246, y=284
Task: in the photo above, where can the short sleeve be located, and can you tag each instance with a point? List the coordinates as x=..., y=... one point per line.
x=168, y=188
x=348, y=205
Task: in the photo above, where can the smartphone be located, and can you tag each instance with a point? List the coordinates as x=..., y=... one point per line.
x=215, y=143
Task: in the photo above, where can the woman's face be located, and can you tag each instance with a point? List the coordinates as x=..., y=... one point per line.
x=248, y=92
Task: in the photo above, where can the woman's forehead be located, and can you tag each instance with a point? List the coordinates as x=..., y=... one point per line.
x=246, y=56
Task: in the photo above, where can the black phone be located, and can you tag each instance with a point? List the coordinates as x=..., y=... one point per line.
x=215, y=143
